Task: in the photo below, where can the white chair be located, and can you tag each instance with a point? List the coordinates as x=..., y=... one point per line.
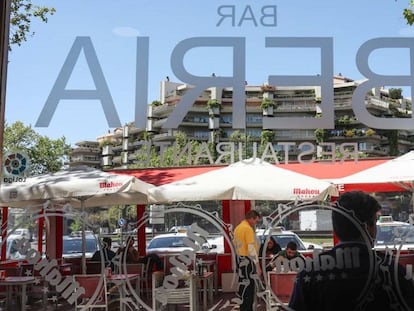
x=95, y=292
x=173, y=296
x=141, y=269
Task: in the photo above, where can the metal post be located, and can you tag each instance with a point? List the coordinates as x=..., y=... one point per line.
x=4, y=51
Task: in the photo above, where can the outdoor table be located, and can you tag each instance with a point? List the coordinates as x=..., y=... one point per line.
x=119, y=280
x=206, y=285
x=17, y=281
x=211, y=266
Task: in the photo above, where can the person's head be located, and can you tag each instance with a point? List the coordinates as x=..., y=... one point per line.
x=129, y=242
x=361, y=209
x=107, y=242
x=291, y=249
x=271, y=243
x=252, y=217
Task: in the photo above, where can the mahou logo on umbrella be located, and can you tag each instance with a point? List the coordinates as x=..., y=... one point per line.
x=305, y=191
x=110, y=185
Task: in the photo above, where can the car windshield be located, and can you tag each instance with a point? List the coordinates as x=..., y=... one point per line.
x=71, y=246
x=174, y=241
x=169, y=242
x=394, y=234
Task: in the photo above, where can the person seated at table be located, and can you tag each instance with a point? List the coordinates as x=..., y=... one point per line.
x=132, y=256
x=129, y=253
x=272, y=248
x=154, y=262
x=285, y=256
x=290, y=252
x=107, y=253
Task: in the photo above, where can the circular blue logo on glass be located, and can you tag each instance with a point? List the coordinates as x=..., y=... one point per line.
x=16, y=163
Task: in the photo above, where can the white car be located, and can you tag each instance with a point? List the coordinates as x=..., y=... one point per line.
x=20, y=233
x=283, y=237
x=394, y=235
x=12, y=251
x=310, y=245
x=72, y=246
x=174, y=243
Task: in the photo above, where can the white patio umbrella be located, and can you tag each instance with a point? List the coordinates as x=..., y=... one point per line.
x=251, y=179
x=81, y=187
x=398, y=171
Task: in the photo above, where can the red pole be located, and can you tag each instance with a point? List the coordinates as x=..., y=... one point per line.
x=226, y=219
x=247, y=206
x=59, y=236
x=40, y=224
x=141, y=237
x=4, y=221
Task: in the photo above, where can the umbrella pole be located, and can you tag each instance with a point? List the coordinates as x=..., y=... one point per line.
x=83, y=241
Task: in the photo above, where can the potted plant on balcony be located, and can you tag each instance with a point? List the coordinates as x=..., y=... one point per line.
x=267, y=106
x=213, y=106
x=156, y=103
x=370, y=132
x=268, y=88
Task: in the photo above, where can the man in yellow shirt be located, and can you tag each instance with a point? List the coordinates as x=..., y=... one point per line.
x=247, y=248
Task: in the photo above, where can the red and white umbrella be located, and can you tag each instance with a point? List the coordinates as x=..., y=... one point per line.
x=252, y=179
x=393, y=175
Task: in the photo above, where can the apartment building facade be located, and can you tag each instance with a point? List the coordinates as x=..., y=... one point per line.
x=210, y=120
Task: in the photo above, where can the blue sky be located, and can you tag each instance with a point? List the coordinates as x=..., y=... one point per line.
x=114, y=25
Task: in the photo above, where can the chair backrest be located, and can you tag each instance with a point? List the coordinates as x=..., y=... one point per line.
x=94, y=267
x=138, y=268
x=207, y=256
x=181, y=295
x=94, y=291
x=406, y=259
x=76, y=264
x=12, y=271
x=135, y=268
x=282, y=284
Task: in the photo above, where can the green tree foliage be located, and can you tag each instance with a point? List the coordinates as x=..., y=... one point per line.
x=392, y=136
x=46, y=155
x=320, y=135
x=267, y=136
x=395, y=93
x=242, y=140
x=76, y=225
x=22, y=12
x=408, y=13
x=149, y=156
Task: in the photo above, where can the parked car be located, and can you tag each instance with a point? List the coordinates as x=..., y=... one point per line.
x=174, y=243
x=72, y=246
x=310, y=245
x=395, y=235
x=12, y=251
x=179, y=229
x=283, y=237
x=20, y=233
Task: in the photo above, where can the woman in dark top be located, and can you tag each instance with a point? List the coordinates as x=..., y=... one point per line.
x=272, y=248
